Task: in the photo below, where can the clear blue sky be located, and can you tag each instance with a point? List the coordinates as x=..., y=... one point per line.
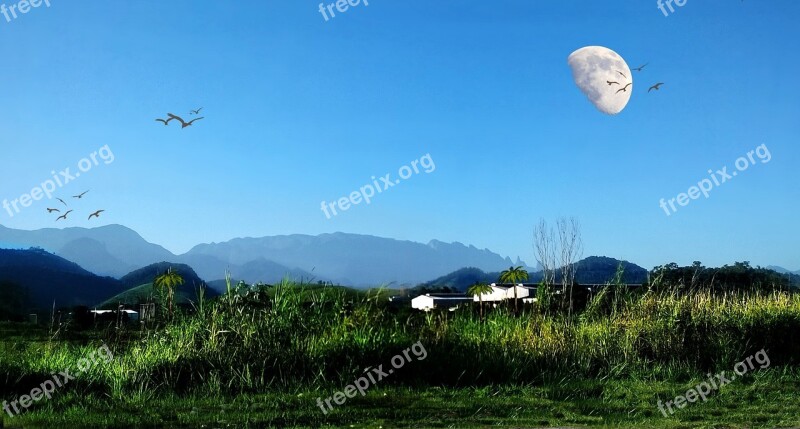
x=299, y=110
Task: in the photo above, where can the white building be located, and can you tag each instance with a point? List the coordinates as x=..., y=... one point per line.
x=498, y=293
x=522, y=292
x=501, y=293
x=429, y=301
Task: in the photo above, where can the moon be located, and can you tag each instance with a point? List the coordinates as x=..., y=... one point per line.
x=592, y=68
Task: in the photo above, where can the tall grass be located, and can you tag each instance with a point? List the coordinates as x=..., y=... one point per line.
x=293, y=336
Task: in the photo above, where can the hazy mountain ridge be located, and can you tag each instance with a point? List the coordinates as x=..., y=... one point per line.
x=357, y=260
x=782, y=270
x=351, y=259
x=348, y=259
x=257, y=270
x=112, y=250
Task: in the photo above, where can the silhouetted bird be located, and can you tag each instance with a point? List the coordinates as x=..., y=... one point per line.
x=640, y=68
x=625, y=89
x=623, y=74
x=184, y=124
x=165, y=121
x=611, y=83
x=96, y=214
x=62, y=202
x=196, y=112
x=79, y=196
x=656, y=87
x=64, y=216
x=49, y=210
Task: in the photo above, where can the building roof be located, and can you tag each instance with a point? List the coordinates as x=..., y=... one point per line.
x=445, y=295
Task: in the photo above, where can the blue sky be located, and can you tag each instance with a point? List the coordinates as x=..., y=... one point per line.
x=299, y=110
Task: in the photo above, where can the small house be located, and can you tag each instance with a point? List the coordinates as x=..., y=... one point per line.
x=431, y=301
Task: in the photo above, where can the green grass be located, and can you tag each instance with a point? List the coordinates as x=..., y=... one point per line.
x=261, y=357
x=765, y=401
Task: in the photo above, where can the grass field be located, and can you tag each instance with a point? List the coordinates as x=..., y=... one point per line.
x=257, y=358
x=768, y=400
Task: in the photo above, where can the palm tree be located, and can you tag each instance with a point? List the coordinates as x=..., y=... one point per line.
x=513, y=275
x=479, y=289
x=168, y=281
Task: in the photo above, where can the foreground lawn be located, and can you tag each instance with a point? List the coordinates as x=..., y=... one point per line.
x=767, y=400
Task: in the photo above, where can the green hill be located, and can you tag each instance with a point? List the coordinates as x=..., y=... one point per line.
x=139, y=284
x=37, y=280
x=147, y=274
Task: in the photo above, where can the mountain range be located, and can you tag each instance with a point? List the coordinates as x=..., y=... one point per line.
x=350, y=259
x=78, y=266
x=782, y=270
x=36, y=280
x=592, y=270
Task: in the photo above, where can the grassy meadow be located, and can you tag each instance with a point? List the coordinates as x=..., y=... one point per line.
x=260, y=357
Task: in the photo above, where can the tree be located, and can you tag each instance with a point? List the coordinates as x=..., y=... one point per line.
x=571, y=246
x=544, y=244
x=513, y=275
x=168, y=281
x=479, y=289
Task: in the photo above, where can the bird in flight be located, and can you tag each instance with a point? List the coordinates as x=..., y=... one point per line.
x=611, y=83
x=656, y=87
x=62, y=202
x=625, y=88
x=96, y=214
x=196, y=112
x=165, y=121
x=640, y=68
x=49, y=210
x=184, y=124
x=623, y=74
x=79, y=196
x=64, y=216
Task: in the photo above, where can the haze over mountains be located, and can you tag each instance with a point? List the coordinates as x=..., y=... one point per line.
x=350, y=259
x=782, y=270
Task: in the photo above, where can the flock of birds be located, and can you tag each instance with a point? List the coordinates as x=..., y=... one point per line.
x=625, y=88
x=184, y=124
x=64, y=216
